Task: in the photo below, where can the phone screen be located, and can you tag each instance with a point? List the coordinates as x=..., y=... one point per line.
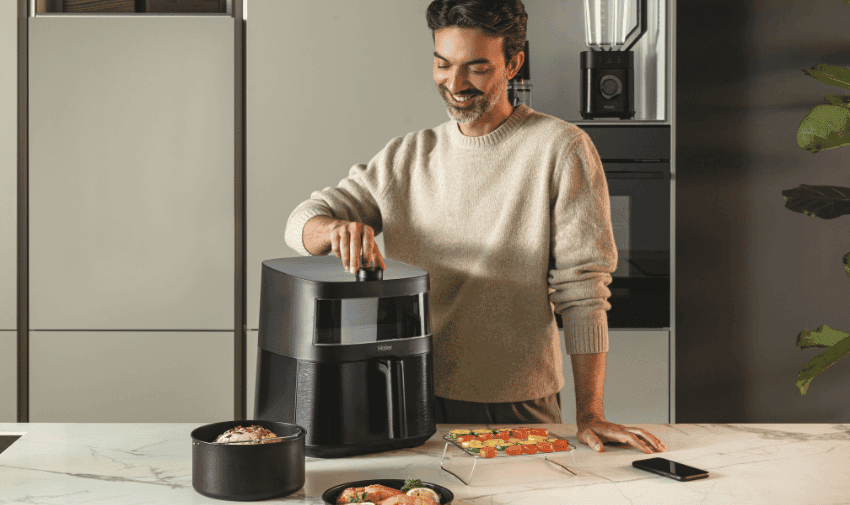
x=663, y=466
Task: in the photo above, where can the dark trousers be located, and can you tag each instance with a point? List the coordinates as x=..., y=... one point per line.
x=546, y=410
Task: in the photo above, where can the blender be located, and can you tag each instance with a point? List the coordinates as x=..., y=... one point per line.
x=612, y=28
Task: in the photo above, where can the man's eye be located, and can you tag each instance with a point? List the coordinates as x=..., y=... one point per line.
x=442, y=66
x=475, y=71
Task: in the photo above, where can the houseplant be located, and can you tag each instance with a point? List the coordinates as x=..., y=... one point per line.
x=825, y=127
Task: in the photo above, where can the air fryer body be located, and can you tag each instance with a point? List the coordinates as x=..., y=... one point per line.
x=348, y=360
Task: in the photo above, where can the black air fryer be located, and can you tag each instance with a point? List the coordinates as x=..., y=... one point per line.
x=348, y=357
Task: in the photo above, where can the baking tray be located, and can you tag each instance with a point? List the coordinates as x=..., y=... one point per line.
x=501, y=456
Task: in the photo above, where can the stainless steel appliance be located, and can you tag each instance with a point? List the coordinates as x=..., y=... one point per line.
x=612, y=27
x=636, y=160
x=348, y=357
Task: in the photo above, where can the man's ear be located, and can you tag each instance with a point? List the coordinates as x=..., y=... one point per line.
x=516, y=64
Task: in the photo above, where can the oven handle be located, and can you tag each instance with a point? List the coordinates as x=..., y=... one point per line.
x=636, y=175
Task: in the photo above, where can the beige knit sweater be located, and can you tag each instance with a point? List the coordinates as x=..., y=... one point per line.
x=504, y=223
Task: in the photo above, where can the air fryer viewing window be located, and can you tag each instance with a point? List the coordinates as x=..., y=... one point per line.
x=364, y=320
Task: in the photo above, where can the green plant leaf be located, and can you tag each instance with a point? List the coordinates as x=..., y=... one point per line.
x=822, y=337
x=830, y=74
x=825, y=202
x=846, y=1
x=839, y=100
x=821, y=362
x=825, y=127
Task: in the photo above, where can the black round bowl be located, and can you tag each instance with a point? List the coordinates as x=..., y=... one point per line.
x=333, y=493
x=248, y=472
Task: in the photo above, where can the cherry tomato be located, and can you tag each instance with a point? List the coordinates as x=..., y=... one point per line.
x=487, y=452
x=513, y=450
x=529, y=449
x=545, y=446
x=521, y=433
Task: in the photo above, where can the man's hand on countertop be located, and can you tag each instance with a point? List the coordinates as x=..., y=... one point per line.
x=594, y=430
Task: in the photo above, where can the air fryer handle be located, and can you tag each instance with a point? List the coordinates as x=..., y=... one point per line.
x=393, y=370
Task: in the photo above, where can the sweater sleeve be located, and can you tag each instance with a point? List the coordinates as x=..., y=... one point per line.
x=354, y=199
x=583, y=255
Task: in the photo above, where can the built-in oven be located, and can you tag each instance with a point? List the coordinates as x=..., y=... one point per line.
x=636, y=160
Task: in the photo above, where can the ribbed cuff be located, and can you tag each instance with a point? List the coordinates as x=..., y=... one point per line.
x=295, y=228
x=586, y=339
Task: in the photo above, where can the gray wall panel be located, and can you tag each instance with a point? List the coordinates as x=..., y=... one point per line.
x=123, y=377
x=131, y=172
x=8, y=376
x=328, y=91
x=8, y=164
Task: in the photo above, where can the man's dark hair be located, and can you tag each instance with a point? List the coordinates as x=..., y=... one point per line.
x=498, y=18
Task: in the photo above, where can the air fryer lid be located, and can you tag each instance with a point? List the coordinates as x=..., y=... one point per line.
x=311, y=308
x=327, y=278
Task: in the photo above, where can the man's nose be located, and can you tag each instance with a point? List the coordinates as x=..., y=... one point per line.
x=457, y=81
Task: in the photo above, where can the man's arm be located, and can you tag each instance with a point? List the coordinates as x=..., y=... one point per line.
x=593, y=429
x=589, y=379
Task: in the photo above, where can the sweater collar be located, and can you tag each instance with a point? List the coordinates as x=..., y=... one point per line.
x=494, y=137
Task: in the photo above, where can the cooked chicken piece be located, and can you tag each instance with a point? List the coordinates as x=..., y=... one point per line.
x=378, y=492
x=247, y=436
x=403, y=499
x=345, y=496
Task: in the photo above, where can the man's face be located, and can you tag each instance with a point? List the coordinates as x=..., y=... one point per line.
x=469, y=70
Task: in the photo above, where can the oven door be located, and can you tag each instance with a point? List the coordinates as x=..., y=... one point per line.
x=640, y=215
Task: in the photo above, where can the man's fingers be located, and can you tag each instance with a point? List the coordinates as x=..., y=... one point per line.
x=369, y=246
x=356, y=249
x=351, y=242
x=649, y=437
x=344, y=246
x=379, y=259
x=636, y=442
x=621, y=434
x=589, y=437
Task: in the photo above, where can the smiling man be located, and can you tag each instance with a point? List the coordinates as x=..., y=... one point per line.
x=508, y=211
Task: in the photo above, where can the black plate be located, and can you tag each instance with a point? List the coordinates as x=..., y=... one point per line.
x=333, y=493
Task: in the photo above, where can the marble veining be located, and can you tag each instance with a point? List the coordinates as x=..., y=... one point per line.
x=127, y=464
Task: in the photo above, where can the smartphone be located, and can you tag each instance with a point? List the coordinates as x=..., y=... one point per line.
x=667, y=468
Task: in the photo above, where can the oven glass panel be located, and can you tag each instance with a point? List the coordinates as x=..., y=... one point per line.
x=640, y=216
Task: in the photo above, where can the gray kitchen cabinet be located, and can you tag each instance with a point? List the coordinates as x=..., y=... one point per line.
x=131, y=178
x=8, y=166
x=8, y=376
x=350, y=82
x=122, y=377
x=637, y=378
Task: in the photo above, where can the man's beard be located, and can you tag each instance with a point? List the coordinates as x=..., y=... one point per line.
x=477, y=106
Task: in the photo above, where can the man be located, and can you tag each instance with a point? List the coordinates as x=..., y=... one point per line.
x=508, y=211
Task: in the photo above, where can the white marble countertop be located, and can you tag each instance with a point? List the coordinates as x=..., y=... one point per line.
x=151, y=463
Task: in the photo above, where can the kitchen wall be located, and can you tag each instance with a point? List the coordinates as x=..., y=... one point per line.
x=8, y=209
x=751, y=274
